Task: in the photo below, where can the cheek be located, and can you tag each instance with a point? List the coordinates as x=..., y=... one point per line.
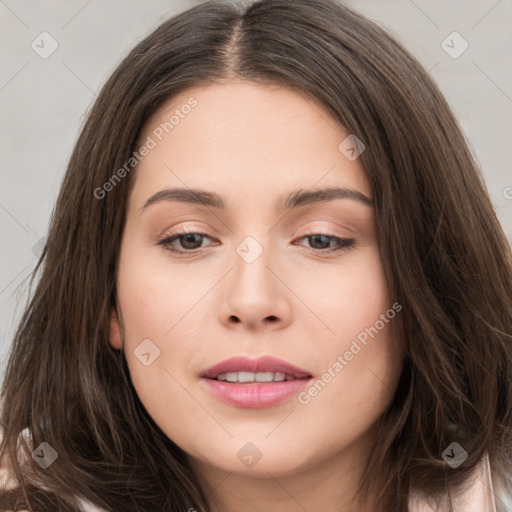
x=349, y=298
x=357, y=383
x=151, y=297
x=359, y=359
x=156, y=306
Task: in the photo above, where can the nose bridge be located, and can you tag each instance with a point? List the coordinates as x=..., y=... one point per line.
x=250, y=249
x=251, y=264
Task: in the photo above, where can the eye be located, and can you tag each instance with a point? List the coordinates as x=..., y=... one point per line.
x=321, y=242
x=190, y=241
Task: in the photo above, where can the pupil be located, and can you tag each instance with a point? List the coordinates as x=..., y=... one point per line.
x=190, y=238
x=315, y=238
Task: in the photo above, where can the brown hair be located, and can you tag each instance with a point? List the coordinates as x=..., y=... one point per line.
x=446, y=257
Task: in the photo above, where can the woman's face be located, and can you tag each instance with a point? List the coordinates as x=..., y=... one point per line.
x=271, y=273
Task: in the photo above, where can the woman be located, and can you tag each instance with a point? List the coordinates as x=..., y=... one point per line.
x=338, y=336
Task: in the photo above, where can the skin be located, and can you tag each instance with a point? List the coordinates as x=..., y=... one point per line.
x=252, y=144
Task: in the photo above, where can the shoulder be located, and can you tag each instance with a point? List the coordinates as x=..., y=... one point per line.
x=7, y=476
x=502, y=487
x=482, y=491
x=9, y=481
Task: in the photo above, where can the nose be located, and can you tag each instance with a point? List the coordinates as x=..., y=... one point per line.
x=255, y=296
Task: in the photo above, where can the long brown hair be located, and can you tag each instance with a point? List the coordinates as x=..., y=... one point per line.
x=446, y=257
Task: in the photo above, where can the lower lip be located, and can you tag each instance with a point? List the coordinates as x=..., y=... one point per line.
x=255, y=395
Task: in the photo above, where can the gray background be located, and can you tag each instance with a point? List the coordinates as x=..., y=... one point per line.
x=43, y=101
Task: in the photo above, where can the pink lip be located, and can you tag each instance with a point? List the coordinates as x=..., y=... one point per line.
x=254, y=395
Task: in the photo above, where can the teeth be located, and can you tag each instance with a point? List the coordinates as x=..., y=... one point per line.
x=254, y=377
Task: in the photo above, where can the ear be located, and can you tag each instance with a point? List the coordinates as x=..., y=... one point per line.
x=115, y=330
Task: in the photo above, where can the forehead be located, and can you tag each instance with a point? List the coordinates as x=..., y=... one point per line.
x=247, y=138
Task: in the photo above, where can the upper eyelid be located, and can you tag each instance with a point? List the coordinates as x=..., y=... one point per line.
x=309, y=232
x=313, y=230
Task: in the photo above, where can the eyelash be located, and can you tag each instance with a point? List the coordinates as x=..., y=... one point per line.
x=343, y=243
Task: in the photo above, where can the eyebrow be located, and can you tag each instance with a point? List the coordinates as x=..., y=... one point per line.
x=293, y=200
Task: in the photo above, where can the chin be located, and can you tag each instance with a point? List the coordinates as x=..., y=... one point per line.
x=249, y=460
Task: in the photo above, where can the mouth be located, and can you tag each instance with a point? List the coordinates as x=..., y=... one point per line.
x=262, y=369
x=254, y=383
x=250, y=377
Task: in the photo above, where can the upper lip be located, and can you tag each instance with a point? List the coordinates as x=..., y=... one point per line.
x=261, y=364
